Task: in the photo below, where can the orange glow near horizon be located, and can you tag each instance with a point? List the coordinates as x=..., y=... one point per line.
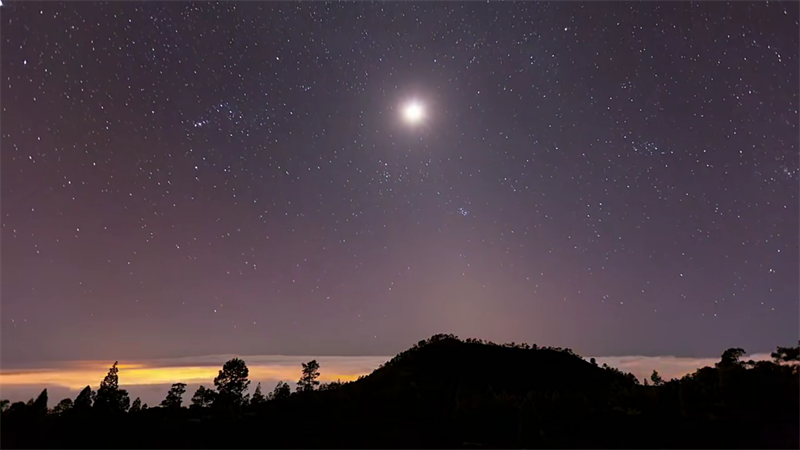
x=77, y=375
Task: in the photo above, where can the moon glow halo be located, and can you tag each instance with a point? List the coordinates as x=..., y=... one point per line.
x=413, y=112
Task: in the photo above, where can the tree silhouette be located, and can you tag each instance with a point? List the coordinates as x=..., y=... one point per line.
x=308, y=381
x=110, y=398
x=203, y=397
x=40, y=404
x=232, y=382
x=731, y=357
x=63, y=406
x=331, y=386
x=490, y=395
x=258, y=397
x=174, y=396
x=18, y=408
x=656, y=378
x=85, y=399
x=786, y=354
x=282, y=390
x=4, y=404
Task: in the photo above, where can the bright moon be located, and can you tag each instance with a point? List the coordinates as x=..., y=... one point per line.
x=413, y=112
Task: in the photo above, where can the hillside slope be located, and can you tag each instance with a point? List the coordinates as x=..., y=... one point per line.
x=448, y=393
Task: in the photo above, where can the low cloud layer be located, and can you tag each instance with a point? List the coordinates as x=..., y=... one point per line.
x=667, y=366
x=150, y=379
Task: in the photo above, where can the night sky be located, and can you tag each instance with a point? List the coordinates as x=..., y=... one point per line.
x=183, y=179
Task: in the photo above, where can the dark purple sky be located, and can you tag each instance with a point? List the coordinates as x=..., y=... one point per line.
x=200, y=178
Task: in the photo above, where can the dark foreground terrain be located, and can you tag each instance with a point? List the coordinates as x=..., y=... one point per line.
x=443, y=392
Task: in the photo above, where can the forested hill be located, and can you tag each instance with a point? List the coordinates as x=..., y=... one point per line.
x=473, y=365
x=442, y=393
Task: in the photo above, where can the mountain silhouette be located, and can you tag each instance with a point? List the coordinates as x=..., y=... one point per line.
x=442, y=393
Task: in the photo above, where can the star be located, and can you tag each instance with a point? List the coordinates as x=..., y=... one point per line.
x=433, y=134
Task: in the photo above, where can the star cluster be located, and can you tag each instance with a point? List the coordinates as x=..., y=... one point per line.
x=199, y=178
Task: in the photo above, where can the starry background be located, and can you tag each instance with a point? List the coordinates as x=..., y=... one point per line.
x=199, y=178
